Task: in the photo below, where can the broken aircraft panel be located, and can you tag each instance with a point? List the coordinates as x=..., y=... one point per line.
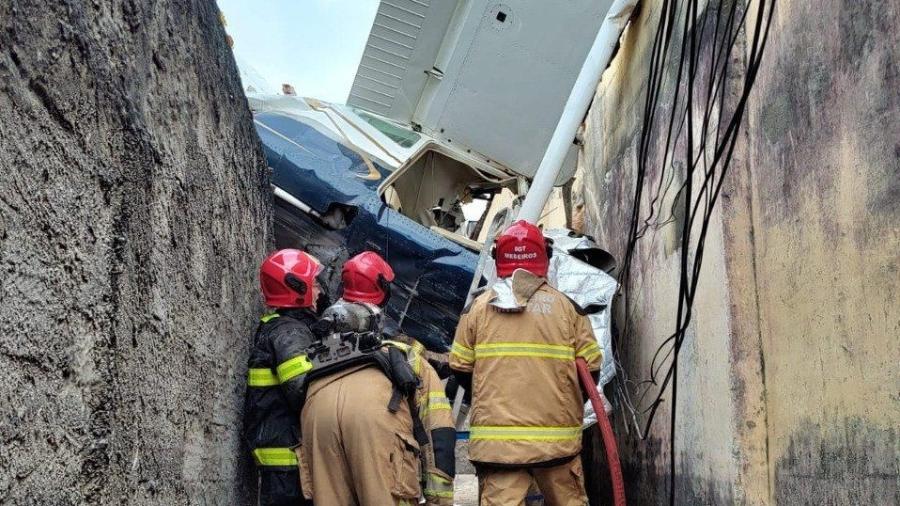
x=329, y=205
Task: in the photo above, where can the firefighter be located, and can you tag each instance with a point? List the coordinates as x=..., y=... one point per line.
x=514, y=349
x=434, y=410
x=275, y=377
x=369, y=420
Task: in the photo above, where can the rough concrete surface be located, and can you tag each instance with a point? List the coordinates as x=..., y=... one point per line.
x=134, y=207
x=824, y=141
x=788, y=376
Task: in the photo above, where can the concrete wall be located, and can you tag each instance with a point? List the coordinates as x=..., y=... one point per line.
x=789, y=376
x=134, y=209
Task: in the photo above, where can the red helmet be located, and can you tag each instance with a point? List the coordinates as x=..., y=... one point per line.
x=288, y=278
x=522, y=246
x=366, y=278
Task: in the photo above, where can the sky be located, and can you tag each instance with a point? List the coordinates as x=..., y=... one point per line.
x=315, y=45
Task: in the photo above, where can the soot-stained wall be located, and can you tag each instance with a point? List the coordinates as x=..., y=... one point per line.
x=788, y=376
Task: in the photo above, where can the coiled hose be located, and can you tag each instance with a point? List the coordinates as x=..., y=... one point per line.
x=606, y=432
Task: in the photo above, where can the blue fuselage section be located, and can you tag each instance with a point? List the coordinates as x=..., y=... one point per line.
x=433, y=273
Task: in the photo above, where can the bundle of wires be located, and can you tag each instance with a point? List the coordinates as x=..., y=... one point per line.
x=701, y=120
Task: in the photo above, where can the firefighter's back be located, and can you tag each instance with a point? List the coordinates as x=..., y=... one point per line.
x=350, y=437
x=516, y=347
x=526, y=401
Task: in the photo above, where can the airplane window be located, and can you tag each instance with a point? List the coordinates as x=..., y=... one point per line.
x=402, y=136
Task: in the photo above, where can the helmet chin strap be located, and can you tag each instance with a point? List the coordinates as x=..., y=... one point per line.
x=323, y=301
x=385, y=287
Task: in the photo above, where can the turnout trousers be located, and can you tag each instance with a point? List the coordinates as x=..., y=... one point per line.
x=561, y=485
x=353, y=450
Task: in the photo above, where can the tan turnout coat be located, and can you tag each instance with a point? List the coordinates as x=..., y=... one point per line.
x=526, y=402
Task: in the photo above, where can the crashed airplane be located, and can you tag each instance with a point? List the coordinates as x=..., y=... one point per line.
x=452, y=110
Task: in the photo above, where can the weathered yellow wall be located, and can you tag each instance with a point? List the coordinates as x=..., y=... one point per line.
x=789, y=379
x=824, y=140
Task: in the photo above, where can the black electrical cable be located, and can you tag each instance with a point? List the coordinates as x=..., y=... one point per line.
x=696, y=197
x=702, y=149
x=659, y=55
x=654, y=370
x=695, y=206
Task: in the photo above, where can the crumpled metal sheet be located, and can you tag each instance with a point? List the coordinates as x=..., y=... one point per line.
x=590, y=288
x=565, y=240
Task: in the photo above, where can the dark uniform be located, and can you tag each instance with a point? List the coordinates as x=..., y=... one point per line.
x=274, y=389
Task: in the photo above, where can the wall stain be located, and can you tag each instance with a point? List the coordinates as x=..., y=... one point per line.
x=847, y=462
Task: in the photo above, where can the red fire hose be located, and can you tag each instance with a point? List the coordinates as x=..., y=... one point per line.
x=606, y=432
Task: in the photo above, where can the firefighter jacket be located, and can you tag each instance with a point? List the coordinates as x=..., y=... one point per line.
x=431, y=407
x=527, y=407
x=274, y=386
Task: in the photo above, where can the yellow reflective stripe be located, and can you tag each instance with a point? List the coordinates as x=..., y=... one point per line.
x=275, y=457
x=433, y=401
x=293, y=367
x=588, y=349
x=436, y=406
x=417, y=363
x=403, y=346
x=430, y=492
x=418, y=349
x=538, y=350
x=590, y=357
x=490, y=346
x=498, y=433
x=266, y=318
x=438, y=486
x=463, y=353
x=261, y=377
x=590, y=352
x=432, y=477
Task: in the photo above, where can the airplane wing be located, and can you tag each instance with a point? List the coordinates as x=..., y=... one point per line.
x=484, y=75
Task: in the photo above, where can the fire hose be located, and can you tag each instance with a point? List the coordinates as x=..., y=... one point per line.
x=606, y=432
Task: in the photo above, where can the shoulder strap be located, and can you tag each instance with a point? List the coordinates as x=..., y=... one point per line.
x=395, y=366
